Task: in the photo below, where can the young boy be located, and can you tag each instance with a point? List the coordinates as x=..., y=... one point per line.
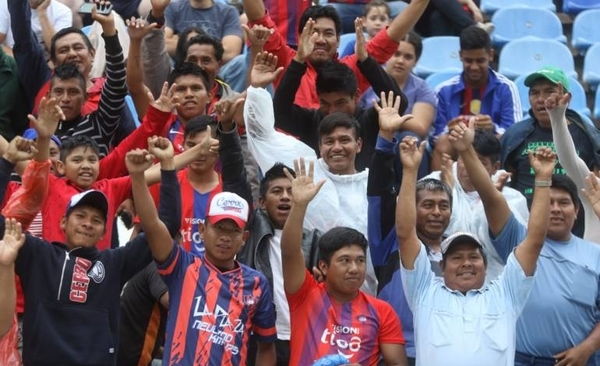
x=72, y=289
x=334, y=316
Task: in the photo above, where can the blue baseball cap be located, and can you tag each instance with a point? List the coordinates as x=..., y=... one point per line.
x=31, y=134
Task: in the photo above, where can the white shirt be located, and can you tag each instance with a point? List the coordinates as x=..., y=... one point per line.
x=60, y=17
x=282, y=321
x=452, y=329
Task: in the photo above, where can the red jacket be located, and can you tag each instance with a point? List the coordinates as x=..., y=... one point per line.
x=381, y=48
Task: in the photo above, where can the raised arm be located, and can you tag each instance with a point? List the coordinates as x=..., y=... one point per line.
x=406, y=20
x=527, y=253
x=254, y=9
x=138, y=161
x=494, y=203
x=575, y=167
x=137, y=29
x=304, y=190
x=409, y=245
x=61, y=20
x=156, y=59
x=9, y=247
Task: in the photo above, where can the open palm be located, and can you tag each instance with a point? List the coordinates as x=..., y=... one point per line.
x=11, y=243
x=304, y=188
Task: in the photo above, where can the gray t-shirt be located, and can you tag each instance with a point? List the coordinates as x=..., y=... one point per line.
x=219, y=21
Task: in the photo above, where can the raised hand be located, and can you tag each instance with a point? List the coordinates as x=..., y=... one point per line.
x=166, y=101
x=13, y=240
x=106, y=21
x=482, y=122
x=560, y=99
x=138, y=28
x=265, y=70
x=303, y=187
x=542, y=161
x=137, y=161
x=20, y=149
x=389, y=119
x=461, y=136
x=50, y=114
x=447, y=174
x=411, y=153
x=258, y=35
x=360, y=48
x=306, y=42
x=226, y=109
x=161, y=148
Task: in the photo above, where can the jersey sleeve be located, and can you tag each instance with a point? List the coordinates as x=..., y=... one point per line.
x=263, y=322
x=173, y=269
x=296, y=300
x=391, y=329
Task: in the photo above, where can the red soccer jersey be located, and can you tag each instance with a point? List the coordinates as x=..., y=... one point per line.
x=321, y=326
x=286, y=15
x=60, y=192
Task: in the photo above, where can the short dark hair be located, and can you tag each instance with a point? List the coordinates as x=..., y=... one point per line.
x=276, y=172
x=181, y=47
x=188, y=68
x=433, y=185
x=377, y=4
x=63, y=32
x=73, y=142
x=336, y=77
x=474, y=38
x=564, y=183
x=487, y=144
x=338, y=119
x=207, y=40
x=318, y=11
x=338, y=238
x=67, y=72
x=198, y=124
x=415, y=40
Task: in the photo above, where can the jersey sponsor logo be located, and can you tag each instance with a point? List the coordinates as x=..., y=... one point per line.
x=346, y=339
x=193, y=220
x=80, y=280
x=97, y=273
x=218, y=323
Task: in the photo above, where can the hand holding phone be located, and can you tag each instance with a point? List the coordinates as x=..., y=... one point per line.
x=103, y=8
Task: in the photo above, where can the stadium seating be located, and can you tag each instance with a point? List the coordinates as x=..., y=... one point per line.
x=591, y=66
x=517, y=22
x=525, y=55
x=586, y=30
x=597, y=104
x=439, y=77
x=86, y=29
x=131, y=107
x=344, y=40
x=439, y=54
x=491, y=6
x=577, y=6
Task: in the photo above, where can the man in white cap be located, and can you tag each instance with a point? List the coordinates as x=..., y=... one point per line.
x=458, y=320
x=214, y=301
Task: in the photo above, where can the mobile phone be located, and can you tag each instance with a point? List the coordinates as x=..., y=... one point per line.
x=86, y=8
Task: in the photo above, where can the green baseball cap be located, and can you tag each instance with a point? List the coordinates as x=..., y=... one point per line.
x=550, y=73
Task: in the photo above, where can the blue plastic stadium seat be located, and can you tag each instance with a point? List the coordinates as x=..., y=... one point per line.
x=525, y=55
x=439, y=54
x=586, y=30
x=591, y=66
x=578, y=97
x=597, y=104
x=519, y=22
x=86, y=29
x=577, y=6
x=439, y=77
x=491, y=6
x=131, y=107
x=344, y=40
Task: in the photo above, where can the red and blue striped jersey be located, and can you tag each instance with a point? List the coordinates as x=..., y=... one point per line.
x=322, y=326
x=212, y=313
x=286, y=15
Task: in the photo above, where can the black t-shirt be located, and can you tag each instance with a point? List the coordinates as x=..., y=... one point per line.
x=142, y=317
x=523, y=178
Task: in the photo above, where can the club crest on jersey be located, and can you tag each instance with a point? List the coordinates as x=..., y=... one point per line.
x=97, y=273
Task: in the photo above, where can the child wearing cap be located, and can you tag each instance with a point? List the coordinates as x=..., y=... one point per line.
x=215, y=302
x=72, y=289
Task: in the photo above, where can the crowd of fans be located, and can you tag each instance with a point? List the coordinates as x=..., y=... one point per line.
x=289, y=202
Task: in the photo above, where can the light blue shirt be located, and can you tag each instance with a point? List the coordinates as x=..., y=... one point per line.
x=452, y=329
x=563, y=307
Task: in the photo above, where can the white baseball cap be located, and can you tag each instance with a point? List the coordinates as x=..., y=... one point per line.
x=459, y=237
x=91, y=198
x=227, y=205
